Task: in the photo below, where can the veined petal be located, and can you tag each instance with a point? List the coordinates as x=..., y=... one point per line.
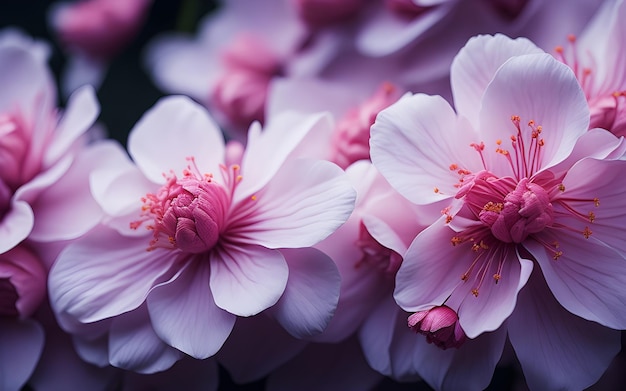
x=134, y=345
x=534, y=87
x=173, y=130
x=304, y=203
x=584, y=277
x=495, y=300
x=247, y=279
x=269, y=148
x=431, y=269
x=565, y=351
x=185, y=316
x=22, y=342
x=311, y=294
x=475, y=66
x=104, y=274
x=415, y=142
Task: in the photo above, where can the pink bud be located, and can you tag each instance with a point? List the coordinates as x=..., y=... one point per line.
x=440, y=325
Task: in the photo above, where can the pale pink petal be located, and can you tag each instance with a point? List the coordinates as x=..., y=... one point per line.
x=543, y=90
x=268, y=149
x=69, y=199
x=246, y=280
x=187, y=374
x=592, y=179
x=385, y=33
x=104, y=274
x=81, y=70
x=495, y=301
x=184, y=315
x=266, y=344
x=22, y=342
x=558, y=350
x=306, y=201
x=311, y=294
x=16, y=225
x=93, y=350
x=431, y=269
x=333, y=367
x=174, y=129
x=584, y=277
x=60, y=368
x=134, y=345
x=25, y=80
x=475, y=65
x=81, y=111
x=469, y=367
x=177, y=64
x=413, y=144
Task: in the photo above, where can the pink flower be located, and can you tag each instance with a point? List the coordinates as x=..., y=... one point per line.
x=527, y=186
x=98, y=28
x=598, y=66
x=46, y=164
x=192, y=240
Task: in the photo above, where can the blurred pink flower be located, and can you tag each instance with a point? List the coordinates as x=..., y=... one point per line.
x=526, y=185
x=598, y=66
x=195, y=228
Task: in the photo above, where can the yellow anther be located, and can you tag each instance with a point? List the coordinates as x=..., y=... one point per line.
x=587, y=232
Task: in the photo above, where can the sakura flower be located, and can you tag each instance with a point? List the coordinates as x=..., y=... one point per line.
x=93, y=32
x=197, y=228
x=229, y=64
x=45, y=180
x=527, y=186
x=598, y=66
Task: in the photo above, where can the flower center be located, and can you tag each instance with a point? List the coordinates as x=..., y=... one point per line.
x=189, y=212
x=15, y=140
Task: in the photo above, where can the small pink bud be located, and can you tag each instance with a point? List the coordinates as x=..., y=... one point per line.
x=440, y=325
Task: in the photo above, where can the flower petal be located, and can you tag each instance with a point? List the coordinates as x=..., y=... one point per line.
x=565, y=351
x=184, y=315
x=311, y=294
x=475, y=65
x=104, y=274
x=246, y=280
x=22, y=342
x=268, y=149
x=134, y=345
x=81, y=111
x=413, y=144
x=534, y=87
x=495, y=300
x=304, y=203
x=584, y=288
x=173, y=130
x=266, y=344
x=16, y=225
x=431, y=269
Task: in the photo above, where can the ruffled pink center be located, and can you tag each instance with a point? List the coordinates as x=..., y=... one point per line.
x=186, y=213
x=523, y=211
x=240, y=92
x=350, y=140
x=375, y=255
x=440, y=325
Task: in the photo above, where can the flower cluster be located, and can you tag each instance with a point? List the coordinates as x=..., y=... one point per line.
x=336, y=195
